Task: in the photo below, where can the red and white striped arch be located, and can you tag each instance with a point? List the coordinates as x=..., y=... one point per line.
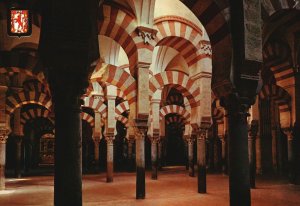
x=122, y=107
x=121, y=94
x=183, y=83
x=282, y=98
x=88, y=118
x=15, y=70
x=121, y=79
x=16, y=100
x=120, y=26
x=171, y=109
x=35, y=86
x=96, y=104
x=277, y=58
x=122, y=119
x=35, y=113
x=174, y=119
x=184, y=36
x=271, y=6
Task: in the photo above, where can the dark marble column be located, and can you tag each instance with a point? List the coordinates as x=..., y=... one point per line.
x=154, y=152
x=252, y=151
x=201, y=159
x=130, y=154
x=3, y=139
x=140, y=134
x=96, y=151
x=109, y=158
x=68, y=150
x=18, y=155
x=159, y=154
x=190, y=142
x=239, y=177
x=140, y=164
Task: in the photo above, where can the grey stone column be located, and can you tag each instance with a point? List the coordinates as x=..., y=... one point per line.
x=18, y=155
x=290, y=137
x=3, y=138
x=159, y=154
x=96, y=151
x=239, y=170
x=224, y=161
x=130, y=154
x=154, y=151
x=140, y=164
x=190, y=142
x=110, y=158
x=252, y=151
x=201, y=159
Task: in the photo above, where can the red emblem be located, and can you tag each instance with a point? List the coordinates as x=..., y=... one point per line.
x=19, y=22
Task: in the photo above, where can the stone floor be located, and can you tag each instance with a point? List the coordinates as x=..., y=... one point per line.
x=173, y=188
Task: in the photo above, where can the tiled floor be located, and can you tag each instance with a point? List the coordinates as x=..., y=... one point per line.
x=173, y=188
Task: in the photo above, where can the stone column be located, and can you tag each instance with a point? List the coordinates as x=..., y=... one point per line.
x=159, y=163
x=154, y=145
x=223, y=145
x=97, y=138
x=96, y=151
x=18, y=155
x=130, y=154
x=18, y=137
x=201, y=159
x=239, y=179
x=274, y=135
x=190, y=142
x=258, y=155
x=290, y=137
x=252, y=151
x=3, y=138
x=68, y=150
x=3, y=135
x=68, y=60
x=110, y=158
x=140, y=163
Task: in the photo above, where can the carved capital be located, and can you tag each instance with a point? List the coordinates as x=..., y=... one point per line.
x=154, y=139
x=289, y=133
x=3, y=135
x=96, y=139
x=253, y=129
x=146, y=33
x=202, y=133
x=237, y=107
x=190, y=141
x=110, y=139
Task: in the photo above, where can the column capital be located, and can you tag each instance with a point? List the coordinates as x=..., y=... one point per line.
x=141, y=125
x=202, y=132
x=236, y=106
x=190, y=140
x=253, y=129
x=110, y=139
x=289, y=133
x=96, y=139
x=3, y=134
x=154, y=138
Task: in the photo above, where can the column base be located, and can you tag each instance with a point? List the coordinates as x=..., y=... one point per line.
x=109, y=179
